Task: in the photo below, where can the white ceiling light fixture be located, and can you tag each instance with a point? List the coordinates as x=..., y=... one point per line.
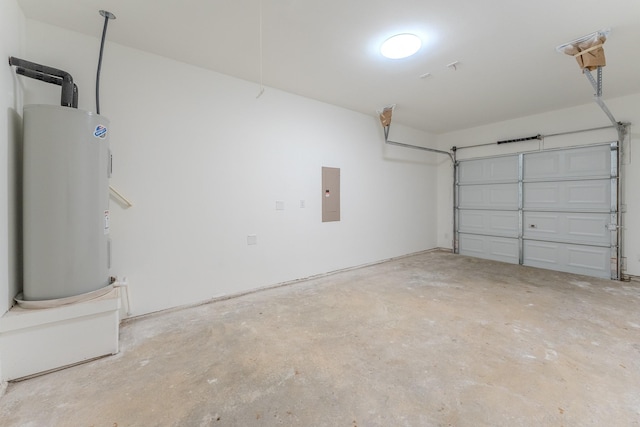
x=400, y=46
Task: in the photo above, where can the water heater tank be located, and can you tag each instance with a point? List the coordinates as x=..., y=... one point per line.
x=65, y=202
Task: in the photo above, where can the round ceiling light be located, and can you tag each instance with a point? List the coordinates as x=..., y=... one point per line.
x=400, y=46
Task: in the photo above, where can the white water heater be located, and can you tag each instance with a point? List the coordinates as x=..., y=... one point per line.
x=67, y=164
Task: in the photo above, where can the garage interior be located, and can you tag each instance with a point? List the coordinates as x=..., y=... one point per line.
x=281, y=257
x=433, y=339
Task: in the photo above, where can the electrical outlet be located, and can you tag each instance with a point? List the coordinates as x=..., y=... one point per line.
x=303, y=204
x=279, y=205
x=252, y=239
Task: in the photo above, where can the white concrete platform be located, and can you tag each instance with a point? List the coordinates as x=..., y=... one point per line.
x=39, y=340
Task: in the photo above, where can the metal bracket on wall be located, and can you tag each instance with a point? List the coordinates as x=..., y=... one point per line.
x=417, y=147
x=597, y=87
x=385, y=119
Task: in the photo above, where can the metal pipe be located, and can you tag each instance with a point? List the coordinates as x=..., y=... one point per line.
x=67, y=84
x=577, y=131
x=417, y=147
x=486, y=144
x=387, y=128
x=545, y=136
x=532, y=151
x=107, y=15
x=37, y=75
x=597, y=87
x=623, y=131
x=432, y=150
x=48, y=79
x=604, y=108
x=454, y=242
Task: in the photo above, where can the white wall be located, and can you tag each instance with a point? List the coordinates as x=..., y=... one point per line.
x=587, y=116
x=12, y=27
x=204, y=162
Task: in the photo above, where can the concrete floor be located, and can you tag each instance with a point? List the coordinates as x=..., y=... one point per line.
x=433, y=339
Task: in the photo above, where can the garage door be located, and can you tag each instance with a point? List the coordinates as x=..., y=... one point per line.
x=554, y=209
x=488, y=208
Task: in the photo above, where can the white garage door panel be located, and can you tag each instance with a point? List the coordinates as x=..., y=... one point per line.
x=497, y=169
x=554, y=209
x=589, y=260
x=489, y=247
x=589, y=195
x=488, y=196
x=568, y=164
x=586, y=228
x=494, y=223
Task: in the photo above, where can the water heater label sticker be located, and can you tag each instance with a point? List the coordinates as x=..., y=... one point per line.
x=106, y=222
x=100, y=132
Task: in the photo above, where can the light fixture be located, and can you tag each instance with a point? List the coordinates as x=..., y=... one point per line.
x=400, y=46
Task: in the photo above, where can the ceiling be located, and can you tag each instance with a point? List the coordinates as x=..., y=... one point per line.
x=328, y=50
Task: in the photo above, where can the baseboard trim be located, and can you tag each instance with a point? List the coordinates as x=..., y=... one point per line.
x=276, y=286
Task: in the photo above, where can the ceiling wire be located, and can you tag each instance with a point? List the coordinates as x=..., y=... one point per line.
x=260, y=54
